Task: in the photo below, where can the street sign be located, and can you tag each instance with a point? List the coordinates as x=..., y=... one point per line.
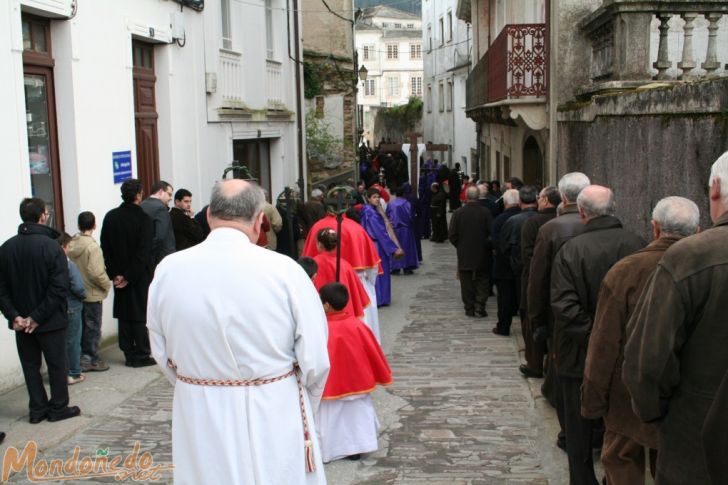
x=122, y=165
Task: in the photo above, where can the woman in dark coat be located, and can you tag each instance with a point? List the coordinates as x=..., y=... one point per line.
x=438, y=211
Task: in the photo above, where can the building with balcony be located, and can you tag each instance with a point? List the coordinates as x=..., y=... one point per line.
x=447, y=56
x=330, y=86
x=389, y=44
x=507, y=88
x=96, y=92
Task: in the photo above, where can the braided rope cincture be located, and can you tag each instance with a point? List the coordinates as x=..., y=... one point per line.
x=307, y=442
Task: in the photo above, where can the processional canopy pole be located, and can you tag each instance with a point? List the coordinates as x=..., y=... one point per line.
x=337, y=201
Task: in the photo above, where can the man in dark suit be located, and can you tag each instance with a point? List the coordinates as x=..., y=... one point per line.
x=33, y=289
x=126, y=240
x=469, y=232
x=187, y=231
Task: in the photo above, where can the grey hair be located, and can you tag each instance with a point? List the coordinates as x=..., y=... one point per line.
x=483, y=189
x=243, y=206
x=719, y=171
x=472, y=193
x=317, y=193
x=571, y=185
x=677, y=216
x=510, y=197
x=595, y=207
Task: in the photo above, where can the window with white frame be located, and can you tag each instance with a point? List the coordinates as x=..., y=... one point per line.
x=397, y=26
x=392, y=51
x=392, y=86
x=410, y=26
x=385, y=24
x=416, y=85
x=415, y=51
x=370, y=87
x=441, y=97
x=429, y=38
x=449, y=96
x=269, y=42
x=227, y=41
x=449, y=26
x=442, y=31
x=369, y=52
x=429, y=98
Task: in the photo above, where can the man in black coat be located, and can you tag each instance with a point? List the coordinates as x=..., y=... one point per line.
x=33, y=289
x=126, y=240
x=548, y=199
x=505, y=280
x=187, y=231
x=469, y=232
x=578, y=271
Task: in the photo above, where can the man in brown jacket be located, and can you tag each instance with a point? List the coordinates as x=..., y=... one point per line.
x=676, y=357
x=551, y=237
x=603, y=394
x=577, y=273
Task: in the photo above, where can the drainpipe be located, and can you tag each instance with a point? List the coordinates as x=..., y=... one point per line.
x=299, y=104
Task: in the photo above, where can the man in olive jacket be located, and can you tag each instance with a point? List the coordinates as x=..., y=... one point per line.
x=126, y=241
x=469, y=232
x=577, y=273
x=676, y=356
x=603, y=394
x=33, y=289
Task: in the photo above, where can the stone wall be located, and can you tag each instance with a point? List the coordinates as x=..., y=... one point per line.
x=648, y=145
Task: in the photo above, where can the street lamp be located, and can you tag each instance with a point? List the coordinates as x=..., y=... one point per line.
x=359, y=122
x=363, y=73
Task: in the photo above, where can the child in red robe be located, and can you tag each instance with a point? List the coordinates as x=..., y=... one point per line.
x=326, y=242
x=346, y=421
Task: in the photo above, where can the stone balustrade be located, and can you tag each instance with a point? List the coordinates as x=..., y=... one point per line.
x=230, y=79
x=634, y=41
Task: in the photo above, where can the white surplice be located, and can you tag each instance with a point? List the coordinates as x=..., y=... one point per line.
x=368, y=278
x=228, y=309
x=347, y=426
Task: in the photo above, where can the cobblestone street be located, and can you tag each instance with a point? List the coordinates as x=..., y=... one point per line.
x=458, y=412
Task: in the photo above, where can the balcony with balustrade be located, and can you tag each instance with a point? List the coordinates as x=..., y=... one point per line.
x=634, y=43
x=514, y=71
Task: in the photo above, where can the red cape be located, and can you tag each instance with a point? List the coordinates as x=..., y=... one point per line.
x=357, y=361
x=358, y=298
x=356, y=246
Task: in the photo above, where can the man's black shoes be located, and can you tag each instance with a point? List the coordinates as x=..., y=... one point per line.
x=69, y=412
x=141, y=363
x=37, y=419
x=528, y=372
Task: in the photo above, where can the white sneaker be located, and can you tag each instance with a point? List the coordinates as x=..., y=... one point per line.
x=75, y=380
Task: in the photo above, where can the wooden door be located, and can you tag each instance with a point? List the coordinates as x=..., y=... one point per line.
x=145, y=114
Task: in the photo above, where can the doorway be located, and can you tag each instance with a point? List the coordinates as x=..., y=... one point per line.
x=532, y=163
x=40, y=115
x=145, y=114
x=255, y=154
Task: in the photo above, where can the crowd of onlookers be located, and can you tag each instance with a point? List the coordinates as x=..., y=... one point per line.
x=629, y=336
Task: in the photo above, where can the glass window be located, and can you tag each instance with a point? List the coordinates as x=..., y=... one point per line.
x=429, y=98
x=415, y=51
x=442, y=31
x=227, y=41
x=449, y=95
x=441, y=97
x=416, y=86
x=392, y=51
x=39, y=141
x=392, y=86
x=410, y=26
x=397, y=26
x=370, y=87
x=429, y=37
x=449, y=26
x=270, y=50
x=27, y=39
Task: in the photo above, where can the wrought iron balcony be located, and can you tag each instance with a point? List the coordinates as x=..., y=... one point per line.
x=514, y=68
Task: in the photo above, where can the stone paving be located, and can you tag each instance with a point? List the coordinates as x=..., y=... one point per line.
x=458, y=412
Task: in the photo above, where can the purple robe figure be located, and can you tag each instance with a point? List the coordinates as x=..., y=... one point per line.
x=373, y=222
x=401, y=215
x=417, y=222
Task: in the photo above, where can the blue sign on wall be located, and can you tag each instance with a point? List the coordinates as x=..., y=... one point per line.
x=122, y=166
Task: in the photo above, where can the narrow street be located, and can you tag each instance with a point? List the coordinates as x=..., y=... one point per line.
x=458, y=412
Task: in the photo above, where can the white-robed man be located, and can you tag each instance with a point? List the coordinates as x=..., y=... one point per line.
x=228, y=320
